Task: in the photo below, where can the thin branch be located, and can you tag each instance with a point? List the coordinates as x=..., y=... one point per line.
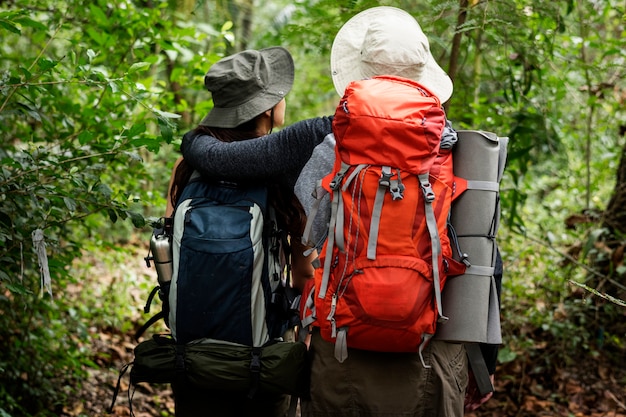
x=569, y=257
x=602, y=295
x=91, y=82
x=78, y=158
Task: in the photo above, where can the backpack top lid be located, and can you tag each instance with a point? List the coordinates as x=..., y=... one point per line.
x=390, y=121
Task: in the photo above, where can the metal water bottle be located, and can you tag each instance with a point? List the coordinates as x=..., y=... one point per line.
x=161, y=248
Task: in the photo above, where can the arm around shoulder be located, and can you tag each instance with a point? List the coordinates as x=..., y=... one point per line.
x=267, y=157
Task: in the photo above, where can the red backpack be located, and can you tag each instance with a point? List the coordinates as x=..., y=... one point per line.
x=387, y=254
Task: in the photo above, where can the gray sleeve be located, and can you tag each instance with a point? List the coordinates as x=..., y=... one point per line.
x=317, y=167
x=278, y=157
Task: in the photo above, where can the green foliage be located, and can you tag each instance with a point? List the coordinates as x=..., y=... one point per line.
x=94, y=97
x=91, y=99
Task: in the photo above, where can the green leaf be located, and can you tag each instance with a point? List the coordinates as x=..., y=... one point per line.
x=137, y=219
x=46, y=64
x=10, y=26
x=506, y=355
x=70, y=203
x=11, y=14
x=97, y=14
x=167, y=114
x=27, y=75
x=166, y=130
x=96, y=36
x=17, y=288
x=85, y=137
x=146, y=141
x=136, y=129
x=104, y=189
x=112, y=215
x=25, y=21
x=114, y=86
x=176, y=73
x=227, y=26
x=134, y=156
x=138, y=66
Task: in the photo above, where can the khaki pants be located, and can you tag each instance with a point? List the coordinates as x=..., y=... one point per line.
x=374, y=384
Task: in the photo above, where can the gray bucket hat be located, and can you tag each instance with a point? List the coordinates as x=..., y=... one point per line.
x=246, y=84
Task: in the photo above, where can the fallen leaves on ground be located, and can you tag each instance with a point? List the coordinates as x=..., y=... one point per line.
x=589, y=387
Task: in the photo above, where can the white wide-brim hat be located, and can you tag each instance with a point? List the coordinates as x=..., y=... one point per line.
x=386, y=41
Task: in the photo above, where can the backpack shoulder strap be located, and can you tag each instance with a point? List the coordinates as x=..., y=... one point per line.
x=318, y=193
x=340, y=238
x=335, y=186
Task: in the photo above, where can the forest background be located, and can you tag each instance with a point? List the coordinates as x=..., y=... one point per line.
x=94, y=99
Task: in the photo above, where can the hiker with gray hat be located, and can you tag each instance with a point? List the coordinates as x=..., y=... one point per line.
x=378, y=41
x=248, y=91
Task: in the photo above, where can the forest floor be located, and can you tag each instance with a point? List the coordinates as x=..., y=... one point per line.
x=592, y=387
x=528, y=386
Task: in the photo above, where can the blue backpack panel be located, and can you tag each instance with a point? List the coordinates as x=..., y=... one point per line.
x=226, y=265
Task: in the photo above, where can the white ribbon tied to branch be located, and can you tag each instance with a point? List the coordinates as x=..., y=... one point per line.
x=39, y=244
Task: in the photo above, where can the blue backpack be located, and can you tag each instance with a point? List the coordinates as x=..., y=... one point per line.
x=229, y=300
x=229, y=278
x=222, y=265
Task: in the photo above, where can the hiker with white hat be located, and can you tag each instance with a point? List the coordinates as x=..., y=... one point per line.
x=384, y=41
x=381, y=41
x=378, y=41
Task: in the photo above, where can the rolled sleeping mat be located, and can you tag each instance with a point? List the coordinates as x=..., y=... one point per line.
x=470, y=301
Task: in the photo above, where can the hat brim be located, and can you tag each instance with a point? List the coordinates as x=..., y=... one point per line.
x=345, y=55
x=281, y=79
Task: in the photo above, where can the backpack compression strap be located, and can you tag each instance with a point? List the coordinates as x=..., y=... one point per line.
x=396, y=188
x=492, y=186
x=431, y=223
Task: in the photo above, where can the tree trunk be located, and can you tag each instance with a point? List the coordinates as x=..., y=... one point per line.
x=614, y=246
x=245, y=18
x=456, y=42
x=615, y=214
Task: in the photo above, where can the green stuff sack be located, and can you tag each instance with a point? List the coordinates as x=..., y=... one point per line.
x=155, y=361
x=285, y=364
x=278, y=367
